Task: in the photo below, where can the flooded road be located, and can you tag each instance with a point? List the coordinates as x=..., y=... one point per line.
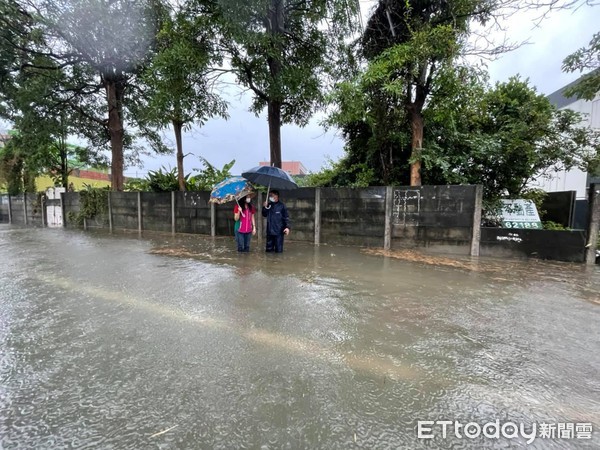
x=179, y=342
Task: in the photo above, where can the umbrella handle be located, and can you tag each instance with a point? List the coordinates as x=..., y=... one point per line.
x=240, y=208
x=268, y=189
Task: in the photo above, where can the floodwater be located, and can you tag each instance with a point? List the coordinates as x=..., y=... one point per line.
x=121, y=341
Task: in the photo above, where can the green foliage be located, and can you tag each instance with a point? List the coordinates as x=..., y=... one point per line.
x=550, y=225
x=136, y=185
x=93, y=204
x=407, y=44
x=584, y=59
x=166, y=180
x=16, y=170
x=78, y=60
x=163, y=180
x=491, y=215
x=284, y=52
x=537, y=196
x=176, y=77
x=503, y=138
x=179, y=92
x=340, y=174
x=207, y=177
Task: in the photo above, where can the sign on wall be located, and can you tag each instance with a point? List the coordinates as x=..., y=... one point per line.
x=520, y=213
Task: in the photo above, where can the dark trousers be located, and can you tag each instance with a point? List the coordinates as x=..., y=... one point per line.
x=275, y=243
x=243, y=241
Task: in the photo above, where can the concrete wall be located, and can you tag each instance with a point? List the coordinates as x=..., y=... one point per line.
x=156, y=211
x=71, y=205
x=438, y=217
x=543, y=244
x=35, y=210
x=124, y=212
x=442, y=215
x=192, y=212
x=301, y=206
x=4, y=217
x=352, y=216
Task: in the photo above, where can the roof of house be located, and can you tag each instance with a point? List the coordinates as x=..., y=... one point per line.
x=559, y=100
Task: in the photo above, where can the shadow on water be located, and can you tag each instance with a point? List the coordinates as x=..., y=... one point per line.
x=177, y=341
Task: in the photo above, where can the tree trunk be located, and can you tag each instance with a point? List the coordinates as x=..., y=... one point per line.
x=416, y=122
x=63, y=154
x=177, y=126
x=114, y=94
x=276, y=26
x=64, y=165
x=274, y=117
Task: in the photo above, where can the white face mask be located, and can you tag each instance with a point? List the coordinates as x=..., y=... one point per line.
x=248, y=200
x=272, y=199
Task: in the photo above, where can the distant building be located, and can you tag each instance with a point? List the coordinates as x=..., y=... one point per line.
x=575, y=179
x=291, y=167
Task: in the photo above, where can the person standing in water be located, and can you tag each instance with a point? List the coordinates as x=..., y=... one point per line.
x=244, y=211
x=278, y=222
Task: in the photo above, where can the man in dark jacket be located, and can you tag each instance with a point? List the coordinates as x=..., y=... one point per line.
x=278, y=222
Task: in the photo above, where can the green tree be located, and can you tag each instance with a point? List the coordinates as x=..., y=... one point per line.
x=101, y=44
x=41, y=123
x=281, y=51
x=179, y=90
x=585, y=59
x=504, y=138
x=407, y=44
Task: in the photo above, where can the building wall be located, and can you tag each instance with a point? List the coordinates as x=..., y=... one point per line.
x=575, y=179
x=44, y=182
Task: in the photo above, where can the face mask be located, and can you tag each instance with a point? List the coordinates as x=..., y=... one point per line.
x=248, y=200
x=272, y=199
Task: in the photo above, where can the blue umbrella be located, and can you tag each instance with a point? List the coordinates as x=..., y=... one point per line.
x=272, y=177
x=231, y=189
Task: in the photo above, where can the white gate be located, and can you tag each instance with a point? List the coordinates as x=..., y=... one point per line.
x=53, y=207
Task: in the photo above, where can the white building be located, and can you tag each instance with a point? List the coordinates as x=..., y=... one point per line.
x=575, y=179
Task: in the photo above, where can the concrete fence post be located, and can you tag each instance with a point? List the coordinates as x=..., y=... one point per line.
x=110, y=222
x=389, y=206
x=317, y=216
x=213, y=220
x=476, y=235
x=9, y=210
x=25, y=208
x=173, y=212
x=593, y=223
x=63, y=209
x=43, y=205
x=139, y=211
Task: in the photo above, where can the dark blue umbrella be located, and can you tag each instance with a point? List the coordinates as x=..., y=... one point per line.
x=272, y=177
